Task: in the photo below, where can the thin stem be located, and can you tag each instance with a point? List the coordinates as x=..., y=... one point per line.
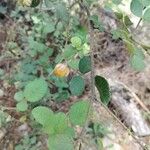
x=92, y=76
x=141, y=143
x=7, y=108
x=138, y=23
x=140, y=19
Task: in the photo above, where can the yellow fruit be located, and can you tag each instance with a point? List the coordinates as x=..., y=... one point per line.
x=61, y=70
x=25, y=2
x=29, y=3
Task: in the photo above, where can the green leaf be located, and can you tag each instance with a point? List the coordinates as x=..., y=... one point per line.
x=62, y=96
x=35, y=19
x=40, y=47
x=18, y=147
x=146, y=15
x=60, y=122
x=85, y=48
x=100, y=144
x=103, y=88
x=35, y=90
x=61, y=83
x=85, y=64
x=19, y=96
x=136, y=7
x=139, y=53
x=3, y=9
x=81, y=32
x=44, y=59
x=146, y=2
x=33, y=140
x=137, y=60
x=119, y=33
x=22, y=106
x=119, y=15
x=96, y=22
x=77, y=85
x=57, y=124
x=127, y=21
x=62, y=12
x=36, y=46
x=60, y=142
x=28, y=67
x=48, y=28
x=3, y=118
x=52, y=123
x=69, y=52
x=74, y=64
x=79, y=112
x=137, y=63
x=76, y=42
x=35, y=3
x=129, y=46
x=59, y=58
x=70, y=132
x=42, y=115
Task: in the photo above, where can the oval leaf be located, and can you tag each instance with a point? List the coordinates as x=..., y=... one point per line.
x=137, y=63
x=146, y=15
x=85, y=64
x=35, y=3
x=19, y=96
x=103, y=88
x=61, y=12
x=76, y=41
x=127, y=21
x=57, y=124
x=77, y=85
x=78, y=113
x=60, y=142
x=136, y=7
x=61, y=123
x=35, y=90
x=22, y=106
x=42, y=115
x=146, y=2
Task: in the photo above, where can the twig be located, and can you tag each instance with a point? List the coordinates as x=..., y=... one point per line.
x=140, y=19
x=145, y=47
x=93, y=77
x=136, y=98
x=138, y=23
x=7, y=108
x=92, y=84
x=91, y=50
x=141, y=143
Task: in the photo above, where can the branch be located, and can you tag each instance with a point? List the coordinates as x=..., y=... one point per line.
x=140, y=142
x=92, y=43
x=138, y=23
x=93, y=77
